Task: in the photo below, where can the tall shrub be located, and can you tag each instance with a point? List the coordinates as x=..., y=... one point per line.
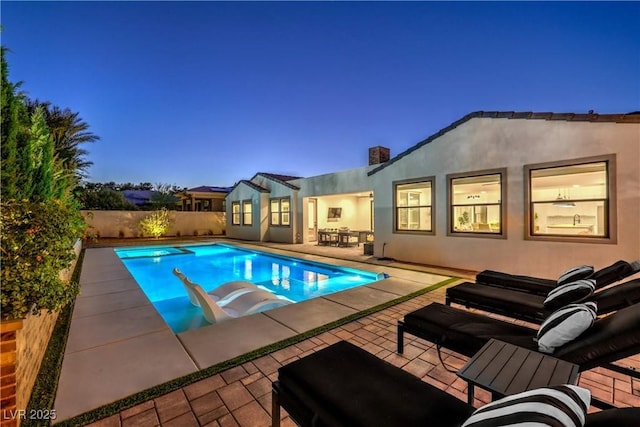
x=41, y=157
x=14, y=131
x=40, y=221
x=37, y=244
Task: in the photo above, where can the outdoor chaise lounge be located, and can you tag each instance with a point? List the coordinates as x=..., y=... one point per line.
x=539, y=286
x=536, y=308
x=609, y=339
x=244, y=305
x=222, y=294
x=344, y=385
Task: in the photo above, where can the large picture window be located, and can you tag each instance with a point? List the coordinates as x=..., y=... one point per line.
x=413, y=206
x=247, y=213
x=570, y=199
x=280, y=211
x=477, y=203
x=235, y=213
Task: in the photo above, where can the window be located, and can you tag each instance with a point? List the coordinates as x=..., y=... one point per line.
x=477, y=203
x=247, y=217
x=235, y=213
x=413, y=205
x=280, y=212
x=569, y=200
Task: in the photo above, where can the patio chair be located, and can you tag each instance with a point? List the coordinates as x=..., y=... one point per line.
x=344, y=385
x=539, y=286
x=531, y=307
x=611, y=338
x=244, y=305
x=222, y=294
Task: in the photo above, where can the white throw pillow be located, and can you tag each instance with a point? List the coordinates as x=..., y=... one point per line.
x=565, y=325
x=564, y=405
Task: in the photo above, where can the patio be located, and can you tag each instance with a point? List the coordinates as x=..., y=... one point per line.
x=241, y=396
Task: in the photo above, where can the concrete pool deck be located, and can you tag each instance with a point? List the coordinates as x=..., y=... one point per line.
x=119, y=345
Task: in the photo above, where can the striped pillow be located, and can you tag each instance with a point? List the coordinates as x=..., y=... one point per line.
x=575, y=273
x=565, y=325
x=569, y=293
x=558, y=406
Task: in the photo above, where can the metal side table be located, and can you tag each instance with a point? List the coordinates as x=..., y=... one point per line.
x=505, y=369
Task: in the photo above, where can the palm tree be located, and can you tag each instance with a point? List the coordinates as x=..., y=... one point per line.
x=69, y=132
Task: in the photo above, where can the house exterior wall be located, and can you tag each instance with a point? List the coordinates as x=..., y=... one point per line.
x=349, y=181
x=283, y=233
x=258, y=229
x=489, y=143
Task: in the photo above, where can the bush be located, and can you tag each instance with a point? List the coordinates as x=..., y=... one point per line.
x=37, y=244
x=156, y=224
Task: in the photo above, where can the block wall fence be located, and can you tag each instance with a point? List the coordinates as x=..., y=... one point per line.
x=119, y=224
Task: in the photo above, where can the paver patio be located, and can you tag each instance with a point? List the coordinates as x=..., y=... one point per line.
x=241, y=396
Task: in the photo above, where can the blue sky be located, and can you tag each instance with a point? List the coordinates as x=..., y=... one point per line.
x=208, y=93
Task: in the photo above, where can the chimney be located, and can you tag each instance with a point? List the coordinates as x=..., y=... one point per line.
x=378, y=155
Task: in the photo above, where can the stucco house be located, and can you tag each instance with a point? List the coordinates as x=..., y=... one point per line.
x=288, y=209
x=532, y=193
x=205, y=198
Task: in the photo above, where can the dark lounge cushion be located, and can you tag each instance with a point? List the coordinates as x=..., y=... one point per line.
x=344, y=385
x=617, y=296
x=463, y=331
x=521, y=305
x=611, y=338
x=611, y=274
x=534, y=285
x=617, y=417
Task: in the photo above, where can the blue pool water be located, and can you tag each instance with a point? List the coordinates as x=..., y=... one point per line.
x=213, y=265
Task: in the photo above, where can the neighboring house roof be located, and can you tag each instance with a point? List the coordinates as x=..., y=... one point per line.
x=209, y=189
x=251, y=185
x=280, y=179
x=633, y=117
x=138, y=197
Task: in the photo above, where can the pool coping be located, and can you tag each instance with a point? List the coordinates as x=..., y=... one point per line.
x=118, y=344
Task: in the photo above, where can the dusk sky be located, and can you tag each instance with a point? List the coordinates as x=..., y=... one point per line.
x=208, y=93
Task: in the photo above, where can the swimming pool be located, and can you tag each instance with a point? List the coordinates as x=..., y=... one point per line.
x=213, y=265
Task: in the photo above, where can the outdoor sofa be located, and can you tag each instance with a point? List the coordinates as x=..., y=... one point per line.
x=344, y=385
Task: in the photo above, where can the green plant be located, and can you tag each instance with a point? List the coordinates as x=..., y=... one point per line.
x=156, y=224
x=37, y=245
x=464, y=218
